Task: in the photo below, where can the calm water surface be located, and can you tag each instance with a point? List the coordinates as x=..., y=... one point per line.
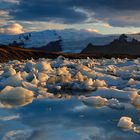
x=63, y=119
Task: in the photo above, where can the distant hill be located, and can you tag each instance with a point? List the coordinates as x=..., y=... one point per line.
x=8, y=53
x=118, y=46
x=53, y=46
x=17, y=53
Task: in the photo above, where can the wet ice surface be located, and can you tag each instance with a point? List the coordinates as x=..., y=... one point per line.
x=62, y=99
x=63, y=119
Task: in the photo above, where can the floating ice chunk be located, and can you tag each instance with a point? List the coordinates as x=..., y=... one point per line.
x=60, y=58
x=88, y=82
x=43, y=66
x=14, y=80
x=52, y=80
x=42, y=90
x=24, y=75
x=42, y=77
x=133, y=95
x=111, y=69
x=125, y=122
x=58, y=88
x=35, y=80
x=1, y=72
x=77, y=86
x=62, y=71
x=43, y=94
x=112, y=93
x=49, y=95
x=81, y=67
x=125, y=74
x=64, y=78
x=87, y=85
x=29, y=66
x=112, y=80
x=80, y=108
x=130, y=89
x=94, y=101
x=79, y=76
x=89, y=74
x=131, y=82
x=17, y=93
x=99, y=83
x=7, y=89
x=10, y=72
x=114, y=103
x=135, y=99
x=30, y=77
x=136, y=129
x=29, y=86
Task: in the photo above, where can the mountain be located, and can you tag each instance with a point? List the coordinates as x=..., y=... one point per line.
x=122, y=45
x=119, y=48
x=53, y=46
x=72, y=40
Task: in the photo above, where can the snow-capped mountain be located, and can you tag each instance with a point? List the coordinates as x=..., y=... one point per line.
x=72, y=40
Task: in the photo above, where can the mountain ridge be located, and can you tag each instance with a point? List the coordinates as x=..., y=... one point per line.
x=122, y=45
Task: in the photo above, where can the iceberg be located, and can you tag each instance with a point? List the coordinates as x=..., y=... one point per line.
x=15, y=93
x=125, y=122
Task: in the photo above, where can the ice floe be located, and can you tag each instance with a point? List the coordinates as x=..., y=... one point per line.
x=43, y=65
x=125, y=122
x=107, y=78
x=94, y=101
x=15, y=93
x=115, y=104
x=135, y=100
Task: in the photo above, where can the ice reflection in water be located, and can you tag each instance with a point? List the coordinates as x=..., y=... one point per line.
x=15, y=103
x=65, y=119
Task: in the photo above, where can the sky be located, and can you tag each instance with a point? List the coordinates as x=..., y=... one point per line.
x=99, y=16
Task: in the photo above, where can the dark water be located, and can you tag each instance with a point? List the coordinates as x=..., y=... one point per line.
x=62, y=119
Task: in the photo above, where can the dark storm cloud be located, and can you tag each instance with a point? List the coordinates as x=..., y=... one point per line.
x=115, y=12
x=47, y=10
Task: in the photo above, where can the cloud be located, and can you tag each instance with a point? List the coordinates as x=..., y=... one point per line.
x=92, y=30
x=106, y=25
x=14, y=28
x=46, y=10
x=119, y=13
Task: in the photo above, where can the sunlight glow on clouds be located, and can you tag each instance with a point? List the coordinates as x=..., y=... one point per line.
x=15, y=28
x=107, y=25
x=106, y=16
x=93, y=30
x=4, y=15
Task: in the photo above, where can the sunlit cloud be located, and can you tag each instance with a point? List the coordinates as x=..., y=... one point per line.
x=110, y=16
x=4, y=15
x=106, y=25
x=92, y=30
x=15, y=28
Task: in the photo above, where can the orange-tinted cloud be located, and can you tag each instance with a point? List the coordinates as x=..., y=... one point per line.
x=92, y=30
x=15, y=28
